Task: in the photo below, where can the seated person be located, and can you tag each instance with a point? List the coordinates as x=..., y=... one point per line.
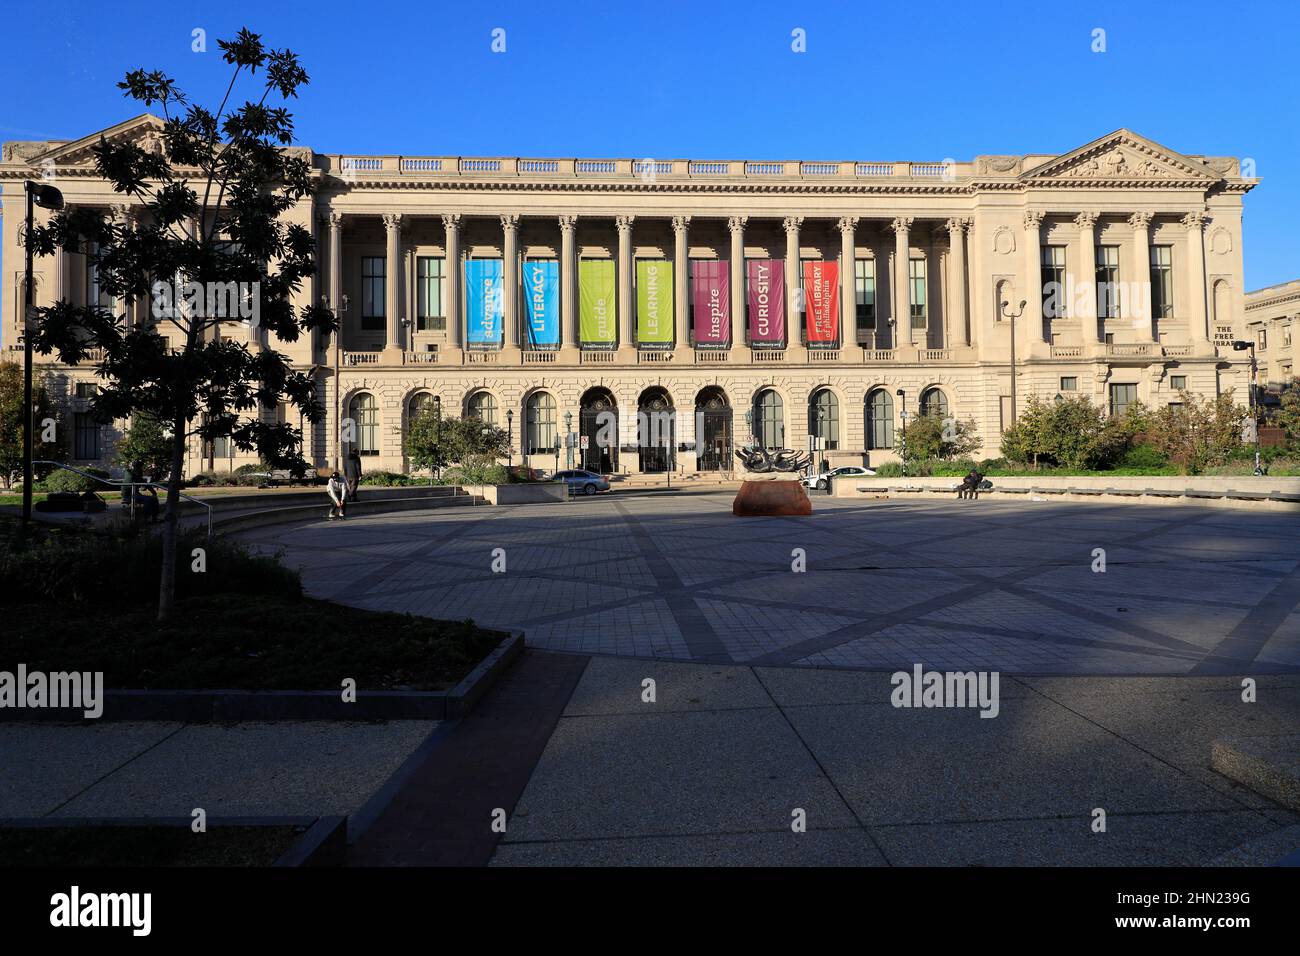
x=970, y=485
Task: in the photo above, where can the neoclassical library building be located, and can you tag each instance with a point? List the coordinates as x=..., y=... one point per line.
x=801, y=304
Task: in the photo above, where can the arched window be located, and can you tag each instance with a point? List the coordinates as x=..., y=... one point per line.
x=541, y=423
x=419, y=403
x=364, y=412
x=934, y=402
x=824, y=418
x=483, y=407
x=880, y=419
x=769, y=423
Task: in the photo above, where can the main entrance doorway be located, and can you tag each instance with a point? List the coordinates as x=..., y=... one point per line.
x=713, y=430
x=598, y=432
x=656, y=430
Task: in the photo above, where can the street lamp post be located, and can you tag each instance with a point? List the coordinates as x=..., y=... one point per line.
x=749, y=428
x=1241, y=346
x=437, y=436
x=902, y=416
x=568, y=439
x=1012, y=318
x=47, y=197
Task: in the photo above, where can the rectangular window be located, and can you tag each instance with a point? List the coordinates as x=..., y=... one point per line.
x=1162, y=282
x=1121, y=397
x=373, y=273
x=1262, y=340
x=221, y=448
x=864, y=283
x=1069, y=383
x=87, y=390
x=429, y=275
x=1053, y=274
x=1178, y=383
x=85, y=437
x=95, y=296
x=1286, y=336
x=1108, y=282
x=916, y=279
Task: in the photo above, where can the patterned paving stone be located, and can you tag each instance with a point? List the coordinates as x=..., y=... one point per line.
x=1002, y=585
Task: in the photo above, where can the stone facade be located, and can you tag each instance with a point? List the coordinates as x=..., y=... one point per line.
x=1273, y=324
x=986, y=231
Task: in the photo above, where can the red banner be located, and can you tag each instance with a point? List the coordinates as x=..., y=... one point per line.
x=821, y=300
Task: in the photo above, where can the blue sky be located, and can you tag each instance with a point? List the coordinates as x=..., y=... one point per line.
x=920, y=81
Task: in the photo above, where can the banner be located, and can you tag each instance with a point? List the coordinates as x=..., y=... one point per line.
x=597, y=315
x=765, y=280
x=483, y=303
x=711, y=301
x=541, y=292
x=654, y=302
x=821, y=296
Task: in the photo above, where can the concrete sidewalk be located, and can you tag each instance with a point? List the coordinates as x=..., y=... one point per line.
x=713, y=771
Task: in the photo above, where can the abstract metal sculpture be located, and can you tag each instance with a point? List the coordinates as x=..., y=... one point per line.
x=761, y=461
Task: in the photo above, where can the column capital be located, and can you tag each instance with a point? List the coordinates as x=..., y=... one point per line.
x=122, y=213
x=1140, y=220
x=901, y=224
x=450, y=220
x=624, y=223
x=737, y=223
x=568, y=223
x=847, y=223
x=510, y=222
x=335, y=220
x=680, y=223
x=392, y=221
x=1196, y=220
x=1033, y=219
x=957, y=225
x=792, y=223
x=1086, y=220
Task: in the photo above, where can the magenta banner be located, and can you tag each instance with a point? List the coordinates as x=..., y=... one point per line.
x=711, y=301
x=765, y=279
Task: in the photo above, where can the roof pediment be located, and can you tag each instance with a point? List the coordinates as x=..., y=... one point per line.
x=145, y=130
x=1122, y=157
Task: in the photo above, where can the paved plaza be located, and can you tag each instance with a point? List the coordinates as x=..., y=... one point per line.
x=985, y=585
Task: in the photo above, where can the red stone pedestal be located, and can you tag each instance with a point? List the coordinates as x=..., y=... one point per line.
x=771, y=498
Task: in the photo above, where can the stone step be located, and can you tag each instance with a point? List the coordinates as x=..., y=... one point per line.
x=1269, y=765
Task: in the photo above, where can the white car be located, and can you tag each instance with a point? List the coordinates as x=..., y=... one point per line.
x=823, y=481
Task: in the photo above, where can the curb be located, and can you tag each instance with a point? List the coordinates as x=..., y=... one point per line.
x=218, y=706
x=323, y=841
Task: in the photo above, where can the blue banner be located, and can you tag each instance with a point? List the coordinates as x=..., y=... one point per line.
x=541, y=292
x=483, y=303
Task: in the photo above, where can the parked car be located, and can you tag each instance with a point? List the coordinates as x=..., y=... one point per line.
x=823, y=481
x=581, y=481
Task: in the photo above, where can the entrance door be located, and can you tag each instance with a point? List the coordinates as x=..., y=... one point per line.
x=715, y=439
x=598, y=430
x=655, y=433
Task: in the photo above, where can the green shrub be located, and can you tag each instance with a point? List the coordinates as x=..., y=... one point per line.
x=890, y=469
x=479, y=475
x=388, y=479
x=992, y=464
x=1142, y=456
x=119, y=565
x=63, y=480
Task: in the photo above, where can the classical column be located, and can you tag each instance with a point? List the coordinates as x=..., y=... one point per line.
x=736, y=224
x=1140, y=305
x=794, y=303
x=681, y=280
x=1032, y=323
x=957, y=281
x=899, y=311
x=451, y=262
x=625, y=306
x=848, y=280
x=1083, y=304
x=568, y=282
x=1197, y=312
x=510, y=279
x=393, y=281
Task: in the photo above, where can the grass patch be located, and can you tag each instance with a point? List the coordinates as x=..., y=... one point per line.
x=246, y=642
x=145, y=846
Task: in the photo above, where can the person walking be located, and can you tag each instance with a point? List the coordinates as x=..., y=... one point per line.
x=337, y=489
x=352, y=472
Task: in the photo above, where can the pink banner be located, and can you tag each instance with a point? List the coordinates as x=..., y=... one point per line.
x=821, y=296
x=711, y=299
x=766, y=284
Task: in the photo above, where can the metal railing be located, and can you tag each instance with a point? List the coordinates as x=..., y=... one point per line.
x=119, y=485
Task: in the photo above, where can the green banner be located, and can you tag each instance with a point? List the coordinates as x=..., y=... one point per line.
x=654, y=302
x=598, y=318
